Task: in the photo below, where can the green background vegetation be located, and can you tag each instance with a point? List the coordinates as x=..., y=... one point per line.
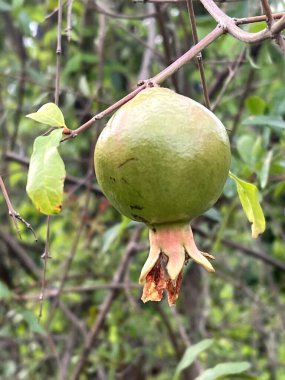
x=241, y=306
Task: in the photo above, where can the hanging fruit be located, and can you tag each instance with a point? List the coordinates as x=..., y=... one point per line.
x=162, y=160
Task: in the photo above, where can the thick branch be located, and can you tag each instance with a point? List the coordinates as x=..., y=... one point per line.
x=226, y=24
x=229, y=25
x=267, y=10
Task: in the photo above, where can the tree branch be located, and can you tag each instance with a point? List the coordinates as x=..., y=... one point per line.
x=160, y=77
x=267, y=10
x=230, y=25
x=257, y=254
x=13, y=213
x=199, y=58
x=225, y=24
x=105, y=307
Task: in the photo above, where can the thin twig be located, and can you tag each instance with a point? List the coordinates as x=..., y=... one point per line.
x=71, y=255
x=267, y=10
x=253, y=19
x=10, y=206
x=19, y=253
x=54, y=292
x=231, y=26
x=160, y=77
x=146, y=61
x=70, y=180
x=231, y=74
x=45, y=256
x=226, y=24
x=13, y=213
x=69, y=19
x=199, y=58
x=270, y=22
x=246, y=91
x=58, y=53
x=160, y=18
x=267, y=259
x=105, y=307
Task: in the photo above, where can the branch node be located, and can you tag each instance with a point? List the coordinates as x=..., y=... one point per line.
x=222, y=25
x=148, y=83
x=199, y=56
x=45, y=256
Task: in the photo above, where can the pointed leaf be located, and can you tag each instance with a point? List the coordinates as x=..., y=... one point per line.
x=5, y=292
x=4, y=6
x=255, y=105
x=248, y=195
x=244, y=147
x=224, y=369
x=49, y=114
x=264, y=173
x=109, y=237
x=190, y=355
x=269, y=121
x=46, y=174
x=32, y=322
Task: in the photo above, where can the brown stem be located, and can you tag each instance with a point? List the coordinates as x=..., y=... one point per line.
x=199, y=58
x=253, y=19
x=13, y=213
x=166, y=45
x=225, y=24
x=230, y=25
x=58, y=52
x=267, y=10
x=104, y=309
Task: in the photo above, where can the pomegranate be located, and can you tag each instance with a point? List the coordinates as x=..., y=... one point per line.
x=162, y=160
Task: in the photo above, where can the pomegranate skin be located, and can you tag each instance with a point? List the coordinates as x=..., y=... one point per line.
x=162, y=158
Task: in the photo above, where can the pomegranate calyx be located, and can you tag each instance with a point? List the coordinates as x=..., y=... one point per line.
x=171, y=247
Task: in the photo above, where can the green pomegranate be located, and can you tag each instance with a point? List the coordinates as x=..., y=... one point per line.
x=163, y=159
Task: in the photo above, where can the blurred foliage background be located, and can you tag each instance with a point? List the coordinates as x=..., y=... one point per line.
x=107, y=46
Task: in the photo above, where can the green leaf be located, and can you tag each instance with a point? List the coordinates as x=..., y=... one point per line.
x=257, y=27
x=46, y=174
x=32, y=322
x=255, y=105
x=5, y=293
x=4, y=7
x=49, y=114
x=112, y=233
x=224, y=369
x=109, y=237
x=269, y=121
x=190, y=355
x=248, y=195
x=264, y=173
x=244, y=147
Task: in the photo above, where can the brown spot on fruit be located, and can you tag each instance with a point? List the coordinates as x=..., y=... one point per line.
x=127, y=161
x=135, y=207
